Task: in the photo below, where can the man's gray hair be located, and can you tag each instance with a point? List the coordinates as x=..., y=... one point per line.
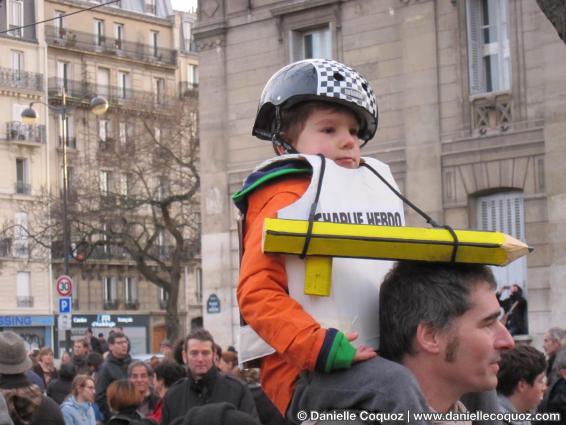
x=434, y=294
x=137, y=363
x=557, y=334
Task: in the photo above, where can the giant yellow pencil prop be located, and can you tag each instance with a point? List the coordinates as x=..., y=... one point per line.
x=384, y=243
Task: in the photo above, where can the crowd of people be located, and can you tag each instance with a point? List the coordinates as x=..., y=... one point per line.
x=103, y=384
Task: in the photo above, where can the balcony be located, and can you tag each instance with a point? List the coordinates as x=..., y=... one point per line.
x=131, y=304
x=24, y=301
x=162, y=304
x=86, y=41
x=188, y=46
x=71, y=142
x=73, y=89
x=22, y=188
x=188, y=89
x=16, y=79
x=33, y=135
x=111, y=304
x=108, y=252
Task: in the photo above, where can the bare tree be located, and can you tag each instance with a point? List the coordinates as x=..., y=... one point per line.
x=133, y=196
x=555, y=11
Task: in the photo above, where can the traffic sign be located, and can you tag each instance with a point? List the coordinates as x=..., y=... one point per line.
x=64, y=286
x=65, y=305
x=64, y=322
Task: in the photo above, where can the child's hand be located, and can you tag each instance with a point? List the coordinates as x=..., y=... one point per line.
x=363, y=352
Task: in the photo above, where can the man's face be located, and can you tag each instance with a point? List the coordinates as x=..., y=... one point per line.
x=140, y=379
x=46, y=360
x=120, y=348
x=79, y=350
x=550, y=345
x=471, y=347
x=198, y=356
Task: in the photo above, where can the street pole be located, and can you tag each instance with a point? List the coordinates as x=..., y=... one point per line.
x=66, y=232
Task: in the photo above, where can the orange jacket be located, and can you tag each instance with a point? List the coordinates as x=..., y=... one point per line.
x=264, y=300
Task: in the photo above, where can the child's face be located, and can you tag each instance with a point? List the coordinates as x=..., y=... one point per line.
x=332, y=134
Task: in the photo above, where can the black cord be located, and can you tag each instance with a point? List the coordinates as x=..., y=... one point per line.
x=276, y=138
x=314, y=205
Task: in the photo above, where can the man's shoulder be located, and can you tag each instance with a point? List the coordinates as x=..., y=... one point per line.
x=232, y=381
x=176, y=388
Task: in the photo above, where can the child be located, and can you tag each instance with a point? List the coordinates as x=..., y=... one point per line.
x=323, y=112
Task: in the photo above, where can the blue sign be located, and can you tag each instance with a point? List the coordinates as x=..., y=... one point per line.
x=65, y=305
x=213, y=304
x=23, y=321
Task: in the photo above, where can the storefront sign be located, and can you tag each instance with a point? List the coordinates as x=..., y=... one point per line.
x=213, y=304
x=19, y=321
x=110, y=320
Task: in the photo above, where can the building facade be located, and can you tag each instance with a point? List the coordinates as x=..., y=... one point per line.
x=139, y=55
x=25, y=290
x=471, y=117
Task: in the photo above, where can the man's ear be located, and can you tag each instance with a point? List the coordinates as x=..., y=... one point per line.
x=427, y=339
x=521, y=386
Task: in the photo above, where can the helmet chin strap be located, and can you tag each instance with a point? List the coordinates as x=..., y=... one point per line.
x=277, y=140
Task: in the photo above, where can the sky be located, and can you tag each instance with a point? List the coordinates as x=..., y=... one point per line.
x=184, y=4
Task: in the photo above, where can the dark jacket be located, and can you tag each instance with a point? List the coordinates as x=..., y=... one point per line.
x=26, y=404
x=129, y=416
x=555, y=401
x=112, y=369
x=59, y=388
x=39, y=371
x=213, y=387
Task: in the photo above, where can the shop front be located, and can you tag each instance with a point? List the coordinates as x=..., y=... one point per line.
x=135, y=327
x=36, y=330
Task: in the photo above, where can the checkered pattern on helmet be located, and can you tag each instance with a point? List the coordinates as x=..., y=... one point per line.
x=350, y=88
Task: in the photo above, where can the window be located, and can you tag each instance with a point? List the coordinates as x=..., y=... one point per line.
x=488, y=46
x=17, y=64
x=187, y=35
x=163, y=297
x=123, y=84
x=118, y=36
x=504, y=212
x=63, y=72
x=103, y=130
x=150, y=7
x=16, y=18
x=23, y=290
x=122, y=133
x=124, y=184
x=157, y=134
x=154, y=43
x=109, y=287
x=22, y=176
x=99, y=38
x=130, y=290
x=105, y=182
x=67, y=132
x=309, y=44
x=198, y=288
x=158, y=90
x=192, y=75
x=103, y=81
x=58, y=24
x=21, y=235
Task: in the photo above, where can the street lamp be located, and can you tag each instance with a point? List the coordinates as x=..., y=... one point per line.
x=98, y=105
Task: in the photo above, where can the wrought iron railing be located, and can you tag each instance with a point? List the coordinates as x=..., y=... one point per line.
x=16, y=131
x=64, y=37
x=21, y=79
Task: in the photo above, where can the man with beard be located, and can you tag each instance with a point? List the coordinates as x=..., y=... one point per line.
x=515, y=308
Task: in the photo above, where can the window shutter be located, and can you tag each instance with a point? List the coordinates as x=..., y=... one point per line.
x=475, y=46
x=23, y=284
x=504, y=212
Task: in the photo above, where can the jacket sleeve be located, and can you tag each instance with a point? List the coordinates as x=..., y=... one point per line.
x=102, y=383
x=262, y=293
x=247, y=402
x=165, y=419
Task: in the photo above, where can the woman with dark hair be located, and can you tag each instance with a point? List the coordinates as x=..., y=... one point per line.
x=77, y=408
x=45, y=368
x=123, y=400
x=58, y=389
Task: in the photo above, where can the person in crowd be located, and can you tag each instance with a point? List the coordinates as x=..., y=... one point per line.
x=114, y=367
x=166, y=348
x=25, y=402
x=93, y=341
x=65, y=357
x=5, y=418
x=45, y=367
x=166, y=374
x=228, y=363
x=515, y=309
x=266, y=410
x=77, y=408
x=555, y=399
x=153, y=362
x=216, y=414
x=141, y=374
x=94, y=361
x=178, y=351
x=554, y=345
x=60, y=387
x=217, y=354
x=521, y=380
x=124, y=400
x=80, y=351
x=204, y=384
x=450, y=340
x=103, y=343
